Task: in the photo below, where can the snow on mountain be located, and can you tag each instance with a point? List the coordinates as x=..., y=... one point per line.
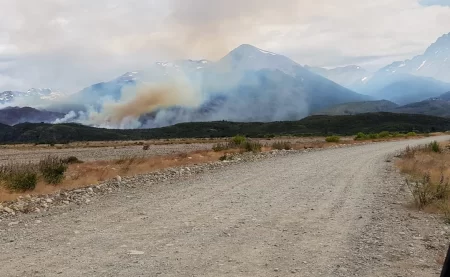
x=347, y=76
x=434, y=63
x=33, y=93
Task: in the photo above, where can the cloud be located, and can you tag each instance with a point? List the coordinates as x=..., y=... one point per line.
x=68, y=45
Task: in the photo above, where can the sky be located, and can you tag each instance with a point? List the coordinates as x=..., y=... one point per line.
x=70, y=44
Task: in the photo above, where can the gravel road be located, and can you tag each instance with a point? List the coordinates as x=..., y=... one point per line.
x=336, y=212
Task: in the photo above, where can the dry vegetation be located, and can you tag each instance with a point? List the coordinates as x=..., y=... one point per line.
x=84, y=174
x=50, y=173
x=428, y=170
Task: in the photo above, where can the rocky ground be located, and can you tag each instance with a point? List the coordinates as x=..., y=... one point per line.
x=100, y=153
x=335, y=212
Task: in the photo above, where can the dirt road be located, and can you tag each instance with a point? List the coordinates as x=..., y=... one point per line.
x=336, y=212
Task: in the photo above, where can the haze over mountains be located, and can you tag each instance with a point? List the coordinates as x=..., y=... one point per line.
x=402, y=82
x=436, y=106
x=248, y=84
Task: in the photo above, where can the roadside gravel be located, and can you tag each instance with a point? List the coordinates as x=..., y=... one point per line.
x=335, y=212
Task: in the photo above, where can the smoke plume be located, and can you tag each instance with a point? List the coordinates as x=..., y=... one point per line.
x=148, y=99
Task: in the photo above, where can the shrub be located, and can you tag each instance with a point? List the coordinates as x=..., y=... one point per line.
x=282, y=145
x=238, y=140
x=19, y=177
x=426, y=192
x=411, y=134
x=384, y=134
x=373, y=136
x=52, y=169
x=333, y=139
x=435, y=147
x=72, y=160
x=145, y=147
x=220, y=147
x=360, y=136
x=251, y=146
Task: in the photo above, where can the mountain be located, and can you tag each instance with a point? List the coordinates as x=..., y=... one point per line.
x=437, y=106
x=359, y=107
x=403, y=88
x=29, y=95
x=403, y=82
x=348, y=76
x=16, y=115
x=434, y=62
x=248, y=84
x=159, y=72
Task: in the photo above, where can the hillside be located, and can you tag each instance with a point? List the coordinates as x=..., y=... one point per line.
x=313, y=125
x=359, y=107
x=15, y=115
x=436, y=106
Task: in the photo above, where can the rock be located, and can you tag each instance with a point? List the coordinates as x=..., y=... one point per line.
x=118, y=178
x=13, y=223
x=9, y=210
x=135, y=252
x=48, y=200
x=90, y=190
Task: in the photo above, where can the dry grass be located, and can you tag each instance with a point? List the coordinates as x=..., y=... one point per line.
x=89, y=173
x=428, y=178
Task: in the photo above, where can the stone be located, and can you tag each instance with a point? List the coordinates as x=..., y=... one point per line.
x=118, y=178
x=135, y=252
x=9, y=210
x=13, y=223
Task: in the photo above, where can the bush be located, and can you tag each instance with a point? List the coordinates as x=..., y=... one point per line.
x=282, y=145
x=435, y=147
x=426, y=192
x=238, y=140
x=333, y=139
x=411, y=134
x=360, y=136
x=384, y=134
x=145, y=147
x=72, y=160
x=220, y=147
x=19, y=177
x=251, y=146
x=52, y=169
